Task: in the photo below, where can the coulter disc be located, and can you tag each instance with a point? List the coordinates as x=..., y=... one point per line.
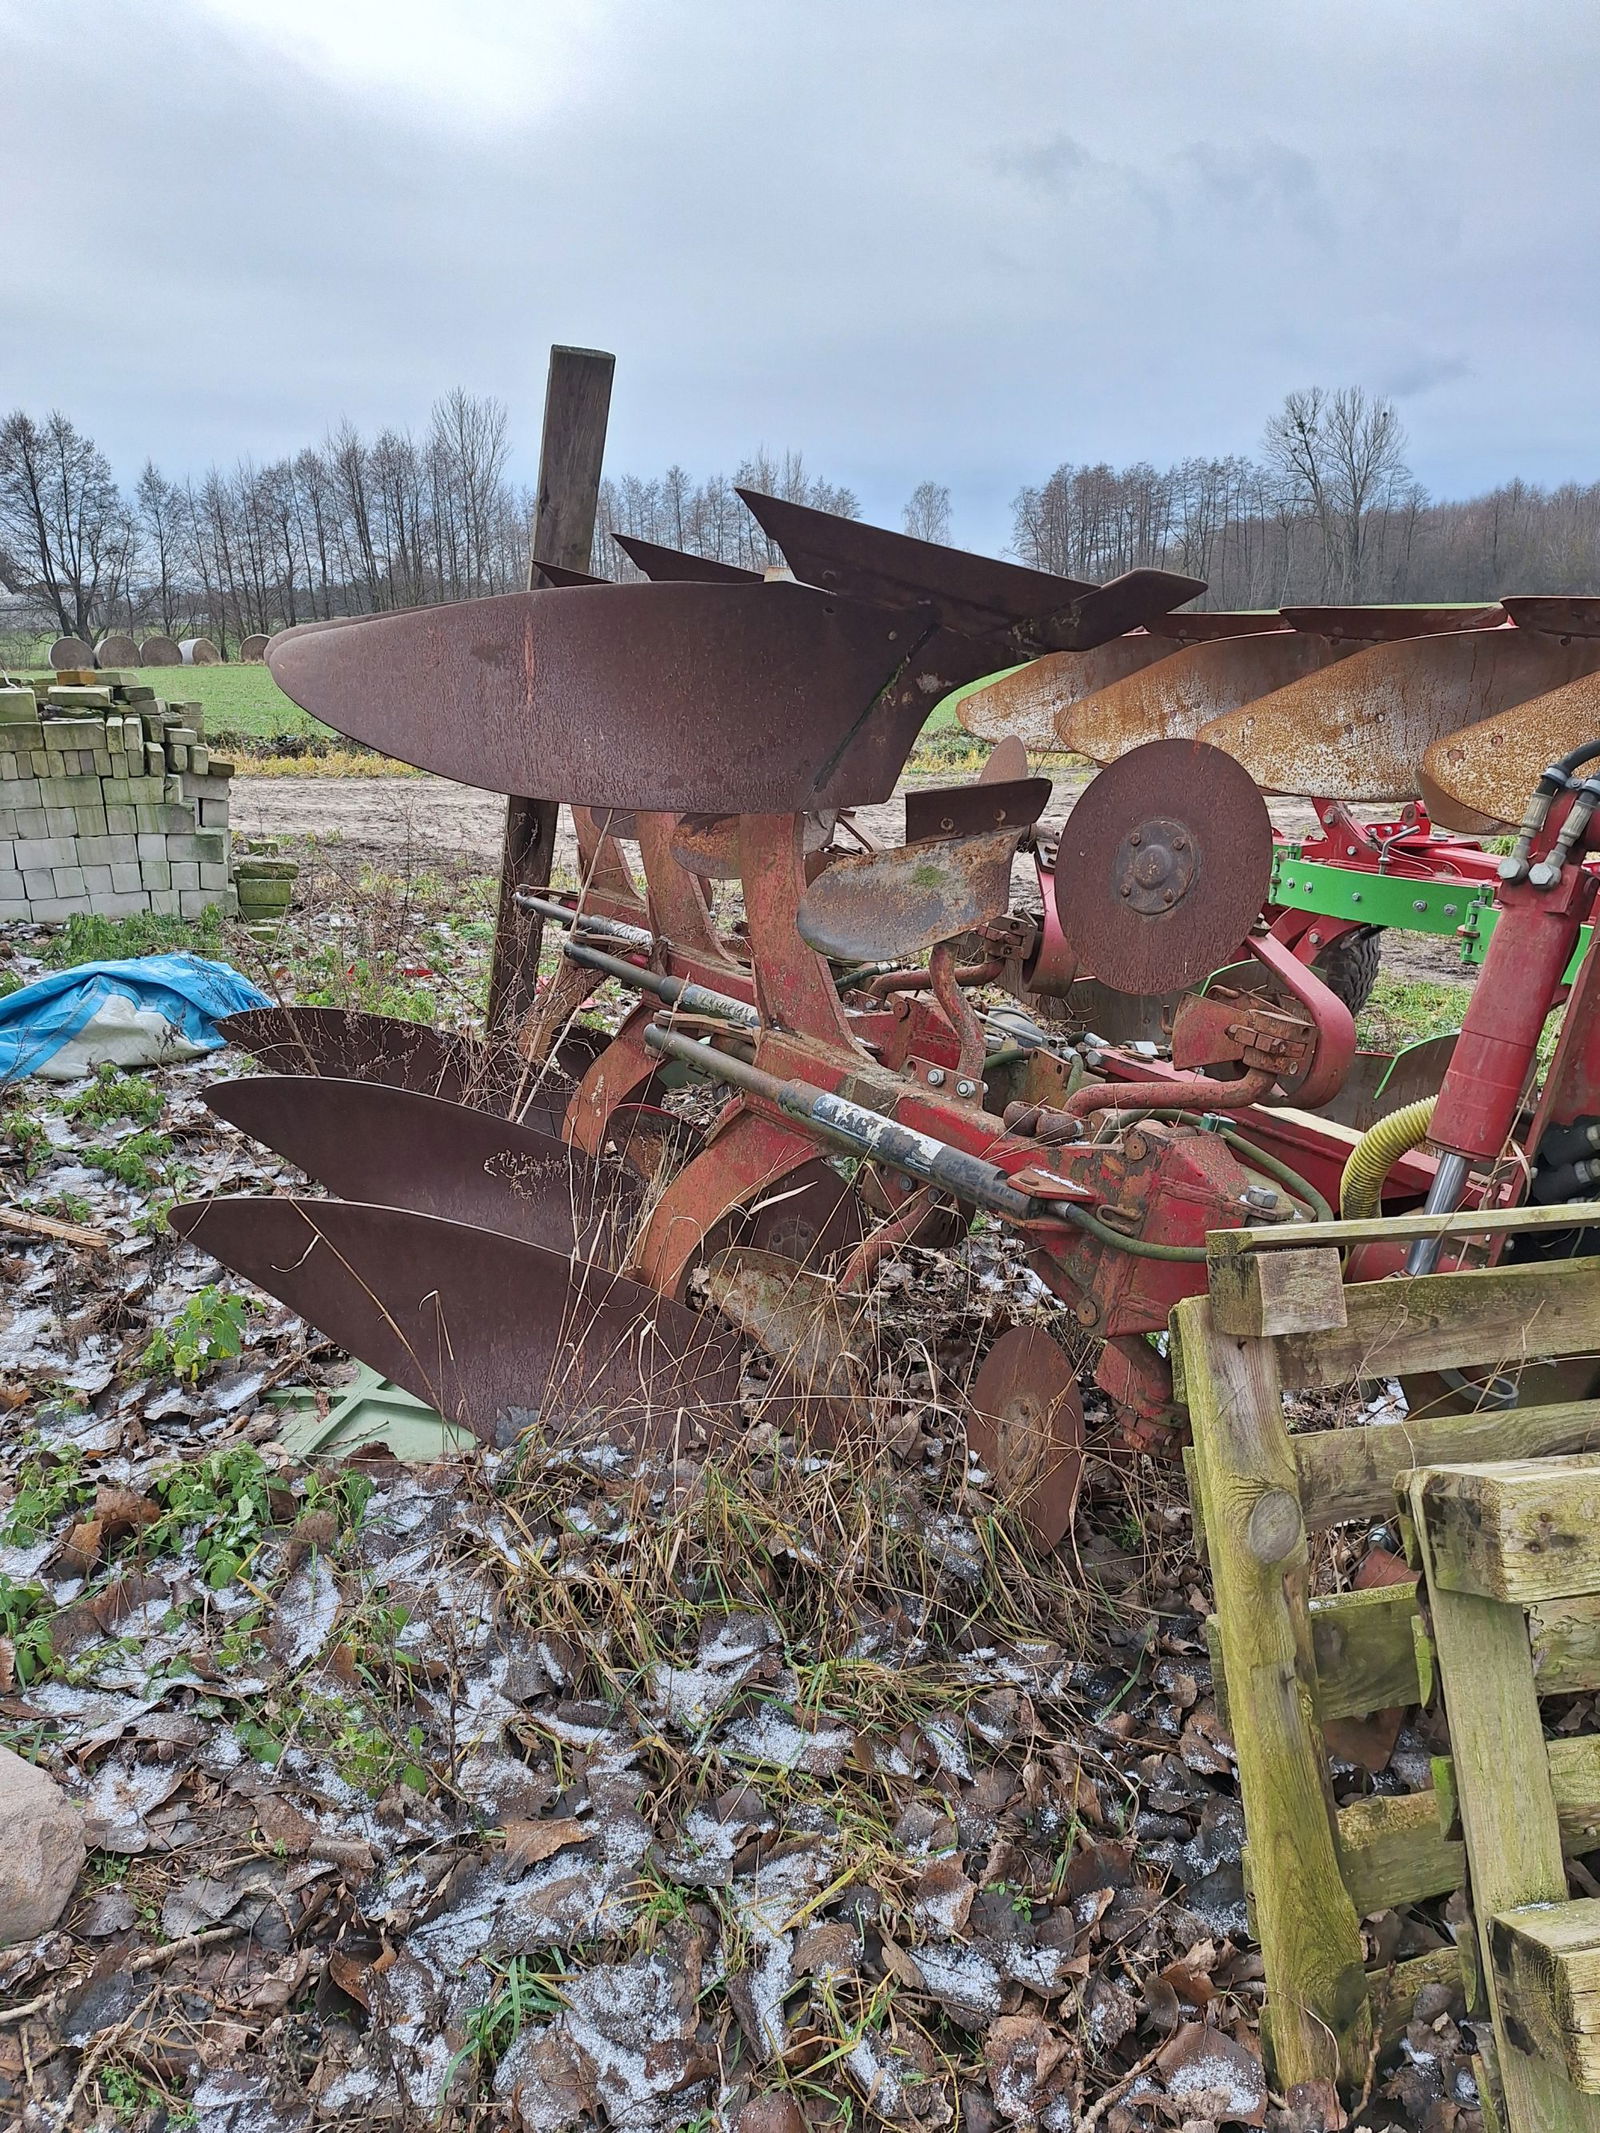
x=496, y=1334
x=1025, y=1427
x=1163, y=867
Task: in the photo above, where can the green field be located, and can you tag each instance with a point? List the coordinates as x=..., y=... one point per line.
x=238, y=699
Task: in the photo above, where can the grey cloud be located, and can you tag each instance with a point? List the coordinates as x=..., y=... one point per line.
x=913, y=241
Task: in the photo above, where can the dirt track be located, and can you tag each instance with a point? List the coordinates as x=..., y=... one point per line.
x=385, y=817
x=405, y=822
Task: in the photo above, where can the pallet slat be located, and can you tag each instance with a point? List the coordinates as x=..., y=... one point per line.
x=1348, y=1474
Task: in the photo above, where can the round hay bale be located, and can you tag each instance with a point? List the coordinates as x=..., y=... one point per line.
x=69, y=652
x=115, y=650
x=198, y=652
x=253, y=648
x=160, y=652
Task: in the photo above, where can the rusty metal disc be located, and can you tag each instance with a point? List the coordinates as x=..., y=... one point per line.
x=885, y=906
x=354, y=1046
x=1163, y=867
x=1025, y=1427
x=394, y=1148
x=1007, y=761
x=501, y=1336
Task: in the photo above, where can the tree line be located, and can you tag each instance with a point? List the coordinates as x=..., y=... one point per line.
x=1328, y=509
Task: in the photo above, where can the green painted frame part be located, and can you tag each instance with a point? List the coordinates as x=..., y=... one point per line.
x=369, y=1410
x=1466, y=910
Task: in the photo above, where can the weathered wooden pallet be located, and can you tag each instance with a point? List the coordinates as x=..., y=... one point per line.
x=1288, y=1663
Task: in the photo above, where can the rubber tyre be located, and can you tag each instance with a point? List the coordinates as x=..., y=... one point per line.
x=1349, y=966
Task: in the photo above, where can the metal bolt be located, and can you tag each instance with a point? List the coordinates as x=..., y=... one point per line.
x=1315, y=935
x=1137, y=837
x=1167, y=896
x=1449, y=910
x=936, y=1077
x=1127, y=889
x=1349, y=851
x=1355, y=896
x=1419, y=903
x=1261, y=1196
x=1180, y=844
x=966, y=1088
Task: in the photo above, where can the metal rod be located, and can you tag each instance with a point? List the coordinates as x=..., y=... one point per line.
x=1444, y=1197
x=676, y=992
x=855, y=1128
x=608, y=929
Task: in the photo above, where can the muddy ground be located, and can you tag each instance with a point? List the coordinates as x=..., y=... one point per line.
x=398, y=822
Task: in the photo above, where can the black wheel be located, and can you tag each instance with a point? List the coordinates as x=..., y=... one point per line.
x=1349, y=966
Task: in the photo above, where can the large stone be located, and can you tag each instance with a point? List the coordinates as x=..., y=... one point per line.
x=41, y=1850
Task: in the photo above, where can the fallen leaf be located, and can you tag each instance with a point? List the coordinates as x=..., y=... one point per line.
x=527, y=1843
x=1210, y=2075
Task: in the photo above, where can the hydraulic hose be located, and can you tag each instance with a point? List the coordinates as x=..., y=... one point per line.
x=1375, y=1155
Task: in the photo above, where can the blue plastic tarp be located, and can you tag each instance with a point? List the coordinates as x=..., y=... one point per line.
x=143, y=1012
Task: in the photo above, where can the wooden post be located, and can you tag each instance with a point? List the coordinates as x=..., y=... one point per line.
x=577, y=401
x=1503, y=1784
x=1317, y=2022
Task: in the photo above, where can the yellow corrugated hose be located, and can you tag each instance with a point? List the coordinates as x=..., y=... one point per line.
x=1375, y=1155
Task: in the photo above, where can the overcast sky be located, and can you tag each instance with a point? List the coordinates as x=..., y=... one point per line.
x=958, y=239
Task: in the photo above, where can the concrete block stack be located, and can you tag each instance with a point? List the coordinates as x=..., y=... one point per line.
x=110, y=801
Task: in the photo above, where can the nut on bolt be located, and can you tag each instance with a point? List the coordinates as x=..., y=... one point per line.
x=1261, y=1197
x=965, y=1088
x=936, y=1077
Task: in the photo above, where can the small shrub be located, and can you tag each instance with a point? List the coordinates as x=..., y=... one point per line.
x=208, y=1330
x=130, y=1161
x=113, y=1094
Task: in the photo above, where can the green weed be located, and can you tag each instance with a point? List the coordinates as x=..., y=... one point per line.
x=113, y=1094
x=24, y=1133
x=130, y=1161
x=89, y=938
x=23, y=1625
x=208, y=1330
x=48, y=1485
x=225, y=1495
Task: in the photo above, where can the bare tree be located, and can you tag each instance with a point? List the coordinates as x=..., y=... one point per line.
x=66, y=536
x=1342, y=456
x=927, y=513
x=160, y=504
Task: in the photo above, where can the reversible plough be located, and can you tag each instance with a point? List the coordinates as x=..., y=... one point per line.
x=551, y=1242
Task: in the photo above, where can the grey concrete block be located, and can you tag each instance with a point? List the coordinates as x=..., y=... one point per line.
x=8, y=822
x=172, y=790
x=151, y=846
x=97, y=881
x=33, y=822
x=50, y=910
x=193, y=902
x=164, y=902
x=147, y=818
x=213, y=876
x=210, y=846
x=121, y=821
x=122, y=848
x=124, y=904
x=38, y=881
x=45, y=852
x=125, y=875
x=70, y=881
x=185, y=847
x=11, y=888
x=155, y=874
x=177, y=821
x=213, y=814
x=17, y=914
x=185, y=874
